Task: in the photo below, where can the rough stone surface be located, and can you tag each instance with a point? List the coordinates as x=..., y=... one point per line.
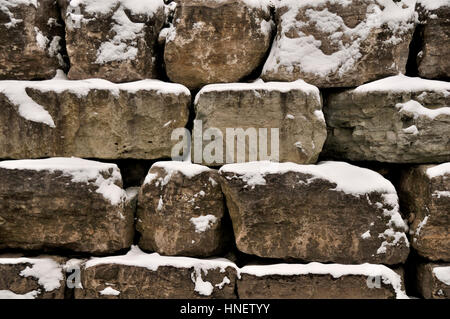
x=31, y=38
x=182, y=214
x=83, y=209
x=340, y=43
x=318, y=285
x=427, y=199
x=29, y=278
x=294, y=212
x=216, y=41
x=405, y=124
x=117, y=41
x=433, y=59
x=294, y=109
x=428, y=283
x=91, y=119
x=153, y=276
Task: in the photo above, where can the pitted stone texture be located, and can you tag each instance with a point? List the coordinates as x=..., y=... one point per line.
x=433, y=280
x=433, y=59
x=427, y=198
x=216, y=41
x=289, y=114
x=116, y=41
x=64, y=203
x=395, y=120
x=181, y=211
x=32, y=36
x=39, y=277
x=152, y=276
x=340, y=43
x=303, y=212
x=91, y=119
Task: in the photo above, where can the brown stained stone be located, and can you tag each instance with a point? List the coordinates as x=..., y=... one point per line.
x=81, y=207
x=428, y=282
x=31, y=38
x=216, y=41
x=182, y=213
x=427, y=199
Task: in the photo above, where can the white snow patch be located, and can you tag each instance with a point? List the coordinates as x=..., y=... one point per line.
x=224, y=282
x=81, y=171
x=440, y=194
x=442, y=274
x=348, y=178
x=417, y=110
x=46, y=270
x=203, y=223
x=439, y=170
x=402, y=83
x=259, y=85
x=171, y=167
x=8, y=294
x=411, y=130
x=433, y=4
x=109, y=291
x=366, y=235
x=389, y=277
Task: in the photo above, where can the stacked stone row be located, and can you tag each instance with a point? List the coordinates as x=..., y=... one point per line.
x=343, y=229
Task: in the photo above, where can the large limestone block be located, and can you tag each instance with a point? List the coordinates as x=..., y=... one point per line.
x=113, y=39
x=433, y=281
x=212, y=41
x=181, y=210
x=64, y=203
x=424, y=192
x=90, y=118
x=293, y=109
x=139, y=275
x=31, y=36
x=342, y=43
x=330, y=212
x=433, y=59
x=320, y=281
x=398, y=120
x=29, y=278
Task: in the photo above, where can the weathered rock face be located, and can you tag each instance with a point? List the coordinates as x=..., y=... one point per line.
x=64, y=203
x=433, y=281
x=397, y=119
x=181, y=210
x=31, y=37
x=116, y=41
x=91, y=118
x=29, y=278
x=331, y=212
x=424, y=191
x=340, y=43
x=216, y=41
x=288, y=115
x=139, y=275
x=433, y=60
x=320, y=281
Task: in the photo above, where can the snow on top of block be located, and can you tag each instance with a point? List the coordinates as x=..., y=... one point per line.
x=387, y=275
x=137, y=258
x=438, y=170
x=188, y=169
x=260, y=85
x=348, y=178
x=81, y=171
x=8, y=294
x=418, y=110
x=433, y=4
x=442, y=274
x=305, y=50
x=47, y=271
x=109, y=291
x=15, y=92
x=148, y=7
x=403, y=83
